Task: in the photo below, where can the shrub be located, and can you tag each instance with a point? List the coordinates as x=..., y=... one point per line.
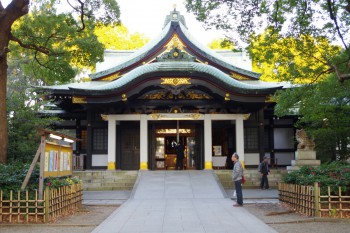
x=13, y=174
x=334, y=174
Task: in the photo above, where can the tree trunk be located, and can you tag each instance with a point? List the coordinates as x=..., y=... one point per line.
x=3, y=91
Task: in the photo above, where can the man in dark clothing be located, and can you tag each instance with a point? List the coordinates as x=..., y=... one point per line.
x=264, y=171
x=180, y=155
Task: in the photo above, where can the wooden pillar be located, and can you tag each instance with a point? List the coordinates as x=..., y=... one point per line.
x=78, y=135
x=88, y=164
x=143, y=142
x=240, y=137
x=111, y=144
x=208, y=148
x=272, y=140
x=261, y=129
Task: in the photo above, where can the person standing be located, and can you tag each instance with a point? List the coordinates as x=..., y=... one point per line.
x=237, y=174
x=180, y=155
x=264, y=171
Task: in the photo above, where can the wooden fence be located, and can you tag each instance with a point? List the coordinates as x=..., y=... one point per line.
x=309, y=201
x=20, y=208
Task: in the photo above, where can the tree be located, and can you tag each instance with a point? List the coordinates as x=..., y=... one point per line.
x=286, y=19
x=297, y=46
x=324, y=111
x=297, y=60
x=23, y=104
x=57, y=41
x=118, y=37
x=221, y=44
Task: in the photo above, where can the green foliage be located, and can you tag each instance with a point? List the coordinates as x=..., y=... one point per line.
x=297, y=60
x=334, y=174
x=285, y=19
x=325, y=113
x=57, y=182
x=118, y=37
x=12, y=175
x=24, y=120
x=221, y=44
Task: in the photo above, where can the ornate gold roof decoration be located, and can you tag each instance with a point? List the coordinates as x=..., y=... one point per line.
x=104, y=117
x=155, y=96
x=174, y=42
x=194, y=96
x=227, y=97
x=246, y=116
x=270, y=99
x=112, y=77
x=124, y=97
x=79, y=100
x=176, y=81
x=238, y=76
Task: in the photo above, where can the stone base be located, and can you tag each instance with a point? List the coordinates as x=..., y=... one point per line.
x=306, y=162
x=305, y=154
x=304, y=158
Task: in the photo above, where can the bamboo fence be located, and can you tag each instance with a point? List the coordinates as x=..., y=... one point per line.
x=334, y=204
x=309, y=201
x=301, y=198
x=56, y=202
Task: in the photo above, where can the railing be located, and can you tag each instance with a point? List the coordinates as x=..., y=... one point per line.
x=24, y=207
x=309, y=201
x=301, y=198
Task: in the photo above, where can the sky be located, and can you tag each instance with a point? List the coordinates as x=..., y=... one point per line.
x=147, y=17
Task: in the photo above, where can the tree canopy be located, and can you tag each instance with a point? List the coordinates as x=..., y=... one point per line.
x=118, y=37
x=297, y=60
x=221, y=44
x=54, y=45
x=299, y=41
x=285, y=19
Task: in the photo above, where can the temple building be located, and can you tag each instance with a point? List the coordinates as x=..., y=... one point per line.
x=173, y=90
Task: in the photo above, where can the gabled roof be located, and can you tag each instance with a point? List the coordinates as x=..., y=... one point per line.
x=194, y=70
x=174, y=33
x=175, y=62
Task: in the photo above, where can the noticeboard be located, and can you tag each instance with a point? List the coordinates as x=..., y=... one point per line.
x=58, y=160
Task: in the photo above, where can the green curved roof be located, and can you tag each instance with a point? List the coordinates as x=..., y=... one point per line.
x=173, y=26
x=189, y=67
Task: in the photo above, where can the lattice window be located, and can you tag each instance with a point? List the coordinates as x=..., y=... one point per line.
x=99, y=139
x=251, y=140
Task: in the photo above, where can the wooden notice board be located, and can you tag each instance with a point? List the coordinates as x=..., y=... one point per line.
x=58, y=160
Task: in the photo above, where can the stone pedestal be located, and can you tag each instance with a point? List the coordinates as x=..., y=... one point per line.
x=302, y=158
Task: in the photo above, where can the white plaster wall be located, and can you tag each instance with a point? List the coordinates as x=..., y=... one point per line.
x=251, y=159
x=99, y=160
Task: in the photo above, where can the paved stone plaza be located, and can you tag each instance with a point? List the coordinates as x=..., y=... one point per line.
x=180, y=201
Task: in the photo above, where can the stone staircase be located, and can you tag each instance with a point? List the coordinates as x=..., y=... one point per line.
x=252, y=177
x=107, y=180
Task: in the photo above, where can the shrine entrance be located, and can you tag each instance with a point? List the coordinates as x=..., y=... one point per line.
x=163, y=138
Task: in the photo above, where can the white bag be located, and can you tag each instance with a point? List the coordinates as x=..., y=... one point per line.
x=234, y=194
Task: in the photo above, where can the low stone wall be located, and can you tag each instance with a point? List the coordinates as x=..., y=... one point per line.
x=252, y=177
x=107, y=180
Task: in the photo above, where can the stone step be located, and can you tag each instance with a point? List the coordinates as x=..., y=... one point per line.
x=107, y=180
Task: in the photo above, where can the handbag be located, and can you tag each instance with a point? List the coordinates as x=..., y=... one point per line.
x=243, y=180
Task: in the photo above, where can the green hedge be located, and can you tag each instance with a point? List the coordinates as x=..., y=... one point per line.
x=334, y=174
x=13, y=174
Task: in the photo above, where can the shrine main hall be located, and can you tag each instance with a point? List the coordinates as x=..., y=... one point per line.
x=174, y=89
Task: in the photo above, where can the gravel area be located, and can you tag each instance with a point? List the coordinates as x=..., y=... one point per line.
x=83, y=221
x=284, y=220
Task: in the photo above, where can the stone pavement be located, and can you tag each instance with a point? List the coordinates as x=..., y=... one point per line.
x=105, y=197
x=180, y=201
